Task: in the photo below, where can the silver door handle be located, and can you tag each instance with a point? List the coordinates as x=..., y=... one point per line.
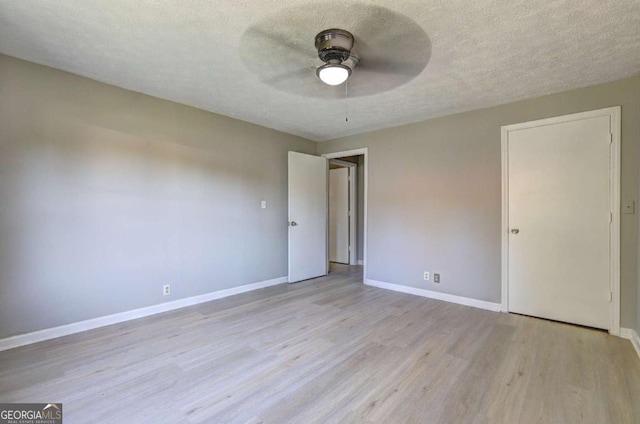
x=293, y=223
x=515, y=231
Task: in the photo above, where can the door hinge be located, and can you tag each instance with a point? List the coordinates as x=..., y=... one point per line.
x=610, y=296
x=610, y=217
x=610, y=138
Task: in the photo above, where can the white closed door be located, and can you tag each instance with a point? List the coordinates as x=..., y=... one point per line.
x=559, y=221
x=339, y=215
x=307, y=216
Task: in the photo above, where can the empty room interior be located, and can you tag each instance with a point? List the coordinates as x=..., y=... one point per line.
x=320, y=212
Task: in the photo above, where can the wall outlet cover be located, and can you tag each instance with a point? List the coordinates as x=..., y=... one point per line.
x=426, y=276
x=166, y=289
x=436, y=278
x=629, y=207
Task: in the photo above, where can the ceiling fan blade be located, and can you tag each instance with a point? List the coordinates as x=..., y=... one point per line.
x=386, y=66
x=404, y=58
x=289, y=76
x=370, y=20
x=361, y=73
x=274, y=41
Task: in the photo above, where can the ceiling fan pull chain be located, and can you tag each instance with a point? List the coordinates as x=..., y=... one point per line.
x=346, y=98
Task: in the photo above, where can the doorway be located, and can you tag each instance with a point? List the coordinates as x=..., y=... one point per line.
x=561, y=185
x=358, y=226
x=343, y=226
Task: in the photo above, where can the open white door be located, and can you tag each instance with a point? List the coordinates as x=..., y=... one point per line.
x=307, y=216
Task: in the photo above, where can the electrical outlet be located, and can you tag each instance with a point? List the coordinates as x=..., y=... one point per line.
x=166, y=289
x=436, y=278
x=426, y=276
x=629, y=207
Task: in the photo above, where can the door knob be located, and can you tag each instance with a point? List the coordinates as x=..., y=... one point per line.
x=515, y=231
x=293, y=223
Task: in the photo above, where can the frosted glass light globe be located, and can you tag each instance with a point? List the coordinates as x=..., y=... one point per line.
x=333, y=74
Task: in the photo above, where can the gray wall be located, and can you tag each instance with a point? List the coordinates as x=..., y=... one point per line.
x=106, y=195
x=435, y=196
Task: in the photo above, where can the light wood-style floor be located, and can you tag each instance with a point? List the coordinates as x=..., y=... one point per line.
x=330, y=350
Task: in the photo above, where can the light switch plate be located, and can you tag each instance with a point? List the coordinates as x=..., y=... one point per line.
x=629, y=207
x=263, y=205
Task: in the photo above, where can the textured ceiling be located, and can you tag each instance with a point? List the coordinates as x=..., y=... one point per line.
x=234, y=57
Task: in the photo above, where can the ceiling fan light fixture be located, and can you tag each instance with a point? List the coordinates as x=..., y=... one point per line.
x=333, y=73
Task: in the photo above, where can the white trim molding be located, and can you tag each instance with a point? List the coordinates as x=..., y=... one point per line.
x=77, y=327
x=353, y=207
x=631, y=334
x=460, y=300
x=355, y=152
x=614, y=246
x=360, y=262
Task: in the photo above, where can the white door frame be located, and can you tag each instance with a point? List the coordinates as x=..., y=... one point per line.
x=614, y=247
x=353, y=208
x=365, y=152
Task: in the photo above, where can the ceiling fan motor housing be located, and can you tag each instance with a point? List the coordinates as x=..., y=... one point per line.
x=334, y=45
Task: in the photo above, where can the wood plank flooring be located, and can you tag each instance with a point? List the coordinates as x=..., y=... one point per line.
x=330, y=350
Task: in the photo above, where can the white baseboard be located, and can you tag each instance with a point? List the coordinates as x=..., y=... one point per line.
x=77, y=327
x=360, y=262
x=631, y=334
x=482, y=304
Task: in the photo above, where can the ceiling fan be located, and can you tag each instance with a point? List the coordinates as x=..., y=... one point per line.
x=374, y=48
x=335, y=50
